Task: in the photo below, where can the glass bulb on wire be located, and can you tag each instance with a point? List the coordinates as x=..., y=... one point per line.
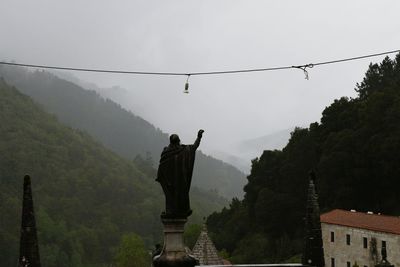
x=186, y=91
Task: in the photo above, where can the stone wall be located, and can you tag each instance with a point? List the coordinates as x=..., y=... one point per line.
x=355, y=252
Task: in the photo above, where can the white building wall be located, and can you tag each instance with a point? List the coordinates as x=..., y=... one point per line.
x=355, y=252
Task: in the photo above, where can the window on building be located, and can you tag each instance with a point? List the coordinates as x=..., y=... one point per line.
x=365, y=266
x=332, y=236
x=365, y=242
x=348, y=239
x=332, y=262
x=383, y=244
x=348, y=264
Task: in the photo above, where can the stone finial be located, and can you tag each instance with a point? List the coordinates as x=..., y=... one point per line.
x=204, y=249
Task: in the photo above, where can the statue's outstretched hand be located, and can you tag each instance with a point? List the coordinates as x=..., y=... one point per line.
x=200, y=133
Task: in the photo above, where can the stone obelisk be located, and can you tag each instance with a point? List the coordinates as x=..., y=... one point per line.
x=313, y=253
x=29, y=247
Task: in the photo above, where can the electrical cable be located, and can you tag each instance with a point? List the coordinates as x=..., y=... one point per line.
x=302, y=67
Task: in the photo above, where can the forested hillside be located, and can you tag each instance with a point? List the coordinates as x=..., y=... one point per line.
x=118, y=129
x=355, y=151
x=86, y=197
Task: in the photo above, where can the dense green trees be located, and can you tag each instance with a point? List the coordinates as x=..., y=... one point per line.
x=132, y=252
x=192, y=232
x=355, y=150
x=86, y=197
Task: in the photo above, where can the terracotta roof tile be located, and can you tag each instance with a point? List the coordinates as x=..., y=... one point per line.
x=374, y=222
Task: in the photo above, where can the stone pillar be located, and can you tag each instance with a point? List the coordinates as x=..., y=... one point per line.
x=174, y=253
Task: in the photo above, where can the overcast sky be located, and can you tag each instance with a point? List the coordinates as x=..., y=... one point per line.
x=191, y=36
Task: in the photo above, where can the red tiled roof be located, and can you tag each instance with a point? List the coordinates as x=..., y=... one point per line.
x=374, y=222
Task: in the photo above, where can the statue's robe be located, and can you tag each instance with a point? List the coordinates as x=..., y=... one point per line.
x=175, y=176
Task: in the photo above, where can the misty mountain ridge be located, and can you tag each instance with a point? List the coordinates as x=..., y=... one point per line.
x=117, y=128
x=243, y=152
x=271, y=141
x=240, y=163
x=115, y=93
x=238, y=154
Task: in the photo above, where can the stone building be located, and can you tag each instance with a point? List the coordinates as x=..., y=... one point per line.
x=351, y=237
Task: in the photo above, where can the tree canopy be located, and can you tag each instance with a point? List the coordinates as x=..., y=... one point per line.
x=132, y=252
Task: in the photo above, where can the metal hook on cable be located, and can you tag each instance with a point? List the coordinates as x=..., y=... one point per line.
x=186, y=91
x=304, y=69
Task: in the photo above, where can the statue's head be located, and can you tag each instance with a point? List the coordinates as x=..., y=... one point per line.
x=174, y=139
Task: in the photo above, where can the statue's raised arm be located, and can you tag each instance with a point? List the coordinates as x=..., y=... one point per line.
x=175, y=175
x=198, y=139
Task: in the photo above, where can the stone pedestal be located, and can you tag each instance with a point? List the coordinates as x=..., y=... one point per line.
x=174, y=253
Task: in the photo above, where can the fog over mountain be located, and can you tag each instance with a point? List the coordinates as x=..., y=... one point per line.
x=125, y=133
x=239, y=154
x=280, y=88
x=193, y=36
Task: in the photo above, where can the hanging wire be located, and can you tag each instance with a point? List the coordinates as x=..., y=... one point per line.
x=302, y=67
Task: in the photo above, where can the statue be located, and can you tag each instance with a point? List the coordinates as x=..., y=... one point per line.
x=175, y=176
